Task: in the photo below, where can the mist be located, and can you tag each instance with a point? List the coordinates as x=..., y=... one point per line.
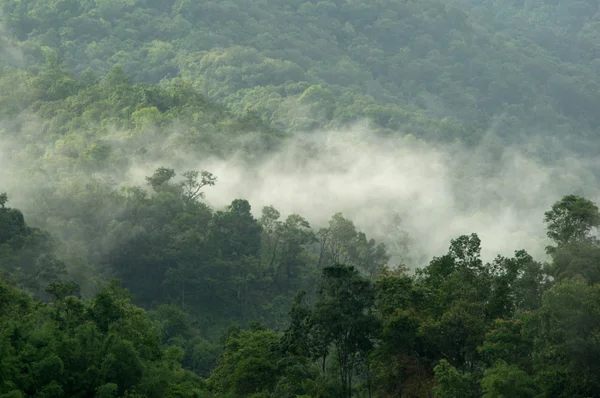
x=393, y=185
x=395, y=188
x=10, y=53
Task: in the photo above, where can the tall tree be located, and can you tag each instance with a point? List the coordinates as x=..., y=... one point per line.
x=571, y=223
x=571, y=220
x=341, y=319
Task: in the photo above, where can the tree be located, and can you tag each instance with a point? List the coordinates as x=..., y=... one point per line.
x=505, y=380
x=191, y=186
x=248, y=363
x=106, y=347
x=400, y=362
x=294, y=236
x=160, y=177
x=337, y=239
x=507, y=342
x=27, y=254
x=571, y=220
x=457, y=288
x=342, y=243
x=236, y=232
x=60, y=290
x=271, y=227
x=341, y=318
x=516, y=283
x=451, y=383
x=564, y=330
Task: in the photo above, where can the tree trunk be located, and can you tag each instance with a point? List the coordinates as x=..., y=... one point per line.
x=349, y=381
x=368, y=374
x=183, y=294
x=323, y=243
x=274, y=254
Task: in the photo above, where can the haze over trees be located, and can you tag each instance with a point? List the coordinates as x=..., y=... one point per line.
x=118, y=278
x=441, y=70
x=458, y=327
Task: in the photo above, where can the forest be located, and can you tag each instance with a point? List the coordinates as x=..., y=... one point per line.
x=280, y=199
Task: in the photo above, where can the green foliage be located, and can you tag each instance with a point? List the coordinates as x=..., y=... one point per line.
x=103, y=348
x=27, y=255
x=248, y=364
x=457, y=328
x=505, y=380
x=341, y=243
x=507, y=342
x=437, y=70
x=572, y=219
x=451, y=382
x=115, y=86
x=341, y=319
x=571, y=223
x=564, y=332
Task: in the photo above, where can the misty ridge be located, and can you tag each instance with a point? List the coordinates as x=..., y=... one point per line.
x=413, y=197
x=299, y=199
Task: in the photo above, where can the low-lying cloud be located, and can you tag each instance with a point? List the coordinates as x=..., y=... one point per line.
x=388, y=186
x=10, y=53
x=437, y=193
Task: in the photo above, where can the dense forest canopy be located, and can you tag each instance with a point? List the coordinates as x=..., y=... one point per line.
x=299, y=199
x=443, y=70
x=458, y=327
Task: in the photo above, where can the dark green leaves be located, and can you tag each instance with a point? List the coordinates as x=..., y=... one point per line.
x=571, y=219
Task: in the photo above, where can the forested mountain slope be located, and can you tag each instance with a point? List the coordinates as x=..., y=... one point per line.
x=120, y=277
x=422, y=67
x=566, y=29
x=458, y=328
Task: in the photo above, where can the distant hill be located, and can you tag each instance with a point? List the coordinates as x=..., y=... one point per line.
x=441, y=70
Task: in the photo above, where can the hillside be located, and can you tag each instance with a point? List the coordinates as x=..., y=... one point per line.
x=299, y=199
x=459, y=327
x=425, y=68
